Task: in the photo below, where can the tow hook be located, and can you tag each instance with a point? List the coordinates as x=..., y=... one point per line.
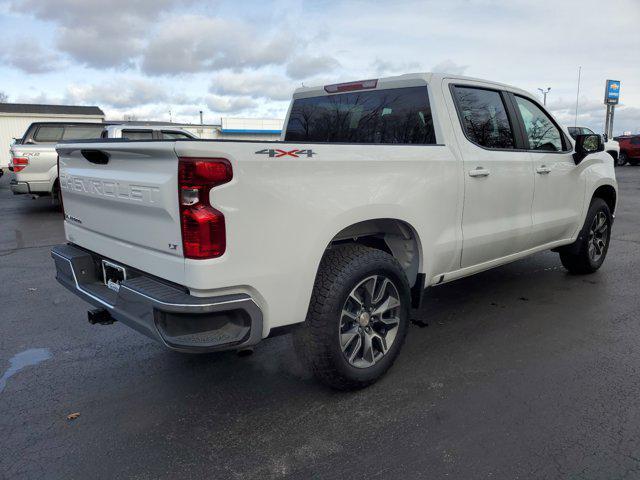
x=245, y=352
x=100, y=316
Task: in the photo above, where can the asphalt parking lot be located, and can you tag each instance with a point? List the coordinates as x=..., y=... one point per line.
x=520, y=372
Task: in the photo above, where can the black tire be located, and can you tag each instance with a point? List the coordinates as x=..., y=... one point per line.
x=318, y=340
x=57, y=196
x=579, y=258
x=621, y=160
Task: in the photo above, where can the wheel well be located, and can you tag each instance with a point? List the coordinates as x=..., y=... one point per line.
x=608, y=194
x=613, y=153
x=395, y=237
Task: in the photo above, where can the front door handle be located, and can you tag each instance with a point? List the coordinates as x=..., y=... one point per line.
x=543, y=170
x=479, y=172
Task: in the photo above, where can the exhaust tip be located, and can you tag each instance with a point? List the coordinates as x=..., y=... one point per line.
x=245, y=352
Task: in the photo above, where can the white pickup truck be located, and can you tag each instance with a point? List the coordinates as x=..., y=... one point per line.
x=34, y=157
x=612, y=147
x=379, y=189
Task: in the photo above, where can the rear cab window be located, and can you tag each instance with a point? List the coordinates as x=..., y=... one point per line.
x=49, y=133
x=483, y=116
x=57, y=133
x=385, y=116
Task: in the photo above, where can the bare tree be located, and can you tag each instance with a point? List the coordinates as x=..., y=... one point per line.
x=4, y=98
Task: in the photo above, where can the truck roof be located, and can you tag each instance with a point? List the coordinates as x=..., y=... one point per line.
x=37, y=108
x=409, y=80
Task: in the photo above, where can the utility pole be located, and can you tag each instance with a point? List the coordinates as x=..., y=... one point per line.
x=575, y=122
x=201, y=122
x=544, y=95
x=170, y=117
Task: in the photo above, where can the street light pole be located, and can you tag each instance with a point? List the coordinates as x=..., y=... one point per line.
x=575, y=121
x=544, y=95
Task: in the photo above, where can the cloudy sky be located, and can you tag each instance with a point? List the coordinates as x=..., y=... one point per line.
x=245, y=57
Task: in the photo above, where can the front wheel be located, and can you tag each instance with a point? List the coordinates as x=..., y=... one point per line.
x=621, y=160
x=588, y=253
x=357, y=319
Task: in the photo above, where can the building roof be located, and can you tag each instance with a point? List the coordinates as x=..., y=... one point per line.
x=157, y=122
x=50, y=109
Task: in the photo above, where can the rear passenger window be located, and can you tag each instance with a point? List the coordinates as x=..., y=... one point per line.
x=49, y=134
x=484, y=117
x=167, y=135
x=82, y=132
x=395, y=115
x=137, y=134
x=541, y=131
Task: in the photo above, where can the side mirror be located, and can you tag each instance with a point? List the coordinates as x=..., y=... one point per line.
x=586, y=145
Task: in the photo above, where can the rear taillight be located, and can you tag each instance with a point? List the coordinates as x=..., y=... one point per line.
x=203, y=227
x=19, y=163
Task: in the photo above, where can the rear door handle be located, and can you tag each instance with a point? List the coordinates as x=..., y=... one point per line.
x=543, y=170
x=479, y=172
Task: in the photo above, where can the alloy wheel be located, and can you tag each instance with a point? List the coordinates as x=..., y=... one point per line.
x=369, y=321
x=598, y=236
x=622, y=159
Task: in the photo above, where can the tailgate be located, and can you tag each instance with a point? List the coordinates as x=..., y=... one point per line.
x=124, y=191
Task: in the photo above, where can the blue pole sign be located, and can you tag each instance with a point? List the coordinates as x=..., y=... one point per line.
x=612, y=92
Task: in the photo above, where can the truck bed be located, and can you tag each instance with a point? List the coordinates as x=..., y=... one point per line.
x=285, y=203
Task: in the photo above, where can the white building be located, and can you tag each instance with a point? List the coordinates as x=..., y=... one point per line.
x=238, y=129
x=15, y=118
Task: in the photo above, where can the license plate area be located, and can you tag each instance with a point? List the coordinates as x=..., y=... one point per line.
x=113, y=274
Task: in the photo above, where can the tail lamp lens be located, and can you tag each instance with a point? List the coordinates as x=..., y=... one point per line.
x=19, y=163
x=203, y=227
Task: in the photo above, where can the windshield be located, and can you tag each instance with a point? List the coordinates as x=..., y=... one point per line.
x=575, y=131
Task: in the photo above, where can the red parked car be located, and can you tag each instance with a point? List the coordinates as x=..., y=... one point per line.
x=629, y=149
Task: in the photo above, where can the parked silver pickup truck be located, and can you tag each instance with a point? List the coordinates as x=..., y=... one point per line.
x=34, y=157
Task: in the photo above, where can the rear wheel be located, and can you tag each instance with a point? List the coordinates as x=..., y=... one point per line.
x=57, y=195
x=588, y=253
x=358, y=317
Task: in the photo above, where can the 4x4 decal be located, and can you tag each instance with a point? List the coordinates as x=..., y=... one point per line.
x=276, y=152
